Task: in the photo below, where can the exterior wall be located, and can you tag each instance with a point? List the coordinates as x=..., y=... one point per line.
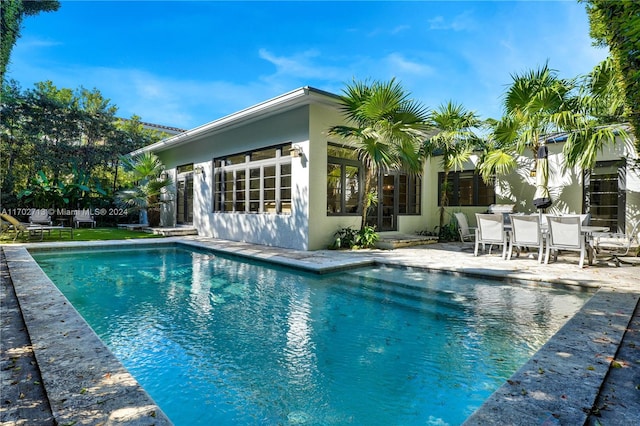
x=308, y=227
x=566, y=187
x=168, y=210
x=430, y=192
x=323, y=227
x=282, y=230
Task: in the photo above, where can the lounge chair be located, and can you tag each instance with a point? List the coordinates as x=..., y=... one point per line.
x=565, y=233
x=18, y=227
x=4, y=226
x=615, y=246
x=491, y=231
x=40, y=217
x=526, y=231
x=83, y=216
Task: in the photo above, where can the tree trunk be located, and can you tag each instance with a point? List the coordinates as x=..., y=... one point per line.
x=154, y=217
x=444, y=199
x=368, y=178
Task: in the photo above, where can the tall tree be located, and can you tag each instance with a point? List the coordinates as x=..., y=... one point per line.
x=535, y=106
x=11, y=14
x=72, y=136
x=386, y=128
x=454, y=142
x=616, y=24
x=596, y=120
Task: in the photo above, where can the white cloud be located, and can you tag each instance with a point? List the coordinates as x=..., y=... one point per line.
x=310, y=64
x=29, y=43
x=471, y=68
x=400, y=28
x=460, y=22
x=400, y=65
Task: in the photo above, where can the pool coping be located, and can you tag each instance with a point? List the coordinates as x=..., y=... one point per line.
x=84, y=382
x=558, y=385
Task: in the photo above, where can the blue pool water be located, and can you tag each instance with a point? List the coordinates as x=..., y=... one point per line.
x=215, y=340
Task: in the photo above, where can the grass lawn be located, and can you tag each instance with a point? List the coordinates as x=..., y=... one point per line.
x=81, y=234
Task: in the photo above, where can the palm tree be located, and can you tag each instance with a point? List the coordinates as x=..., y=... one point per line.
x=537, y=104
x=387, y=129
x=598, y=118
x=454, y=141
x=537, y=101
x=147, y=172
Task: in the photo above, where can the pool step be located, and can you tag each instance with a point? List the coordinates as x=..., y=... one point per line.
x=173, y=232
x=406, y=296
x=393, y=240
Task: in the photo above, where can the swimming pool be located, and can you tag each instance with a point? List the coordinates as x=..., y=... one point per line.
x=215, y=340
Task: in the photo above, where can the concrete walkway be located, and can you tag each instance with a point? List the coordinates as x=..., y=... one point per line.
x=588, y=372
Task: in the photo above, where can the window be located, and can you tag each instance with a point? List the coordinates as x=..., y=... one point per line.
x=409, y=188
x=185, y=168
x=253, y=182
x=344, y=180
x=605, y=195
x=398, y=193
x=466, y=189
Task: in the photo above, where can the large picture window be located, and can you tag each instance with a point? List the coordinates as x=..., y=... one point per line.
x=253, y=182
x=466, y=189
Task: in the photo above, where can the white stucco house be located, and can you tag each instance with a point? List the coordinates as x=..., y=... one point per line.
x=270, y=174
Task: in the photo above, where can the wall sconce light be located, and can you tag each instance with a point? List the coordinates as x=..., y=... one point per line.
x=164, y=175
x=199, y=170
x=296, y=151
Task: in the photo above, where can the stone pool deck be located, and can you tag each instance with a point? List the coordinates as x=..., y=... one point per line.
x=588, y=373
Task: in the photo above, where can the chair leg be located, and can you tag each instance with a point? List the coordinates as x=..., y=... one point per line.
x=540, y=254
x=582, y=253
x=475, y=251
x=546, y=256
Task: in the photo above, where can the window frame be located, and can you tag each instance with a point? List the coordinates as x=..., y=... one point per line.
x=454, y=180
x=343, y=163
x=242, y=201
x=615, y=222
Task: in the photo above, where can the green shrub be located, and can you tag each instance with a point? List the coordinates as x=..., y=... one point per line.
x=367, y=236
x=349, y=238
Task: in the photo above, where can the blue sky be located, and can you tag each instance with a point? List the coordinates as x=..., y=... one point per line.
x=184, y=63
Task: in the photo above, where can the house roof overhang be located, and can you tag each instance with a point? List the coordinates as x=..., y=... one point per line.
x=287, y=101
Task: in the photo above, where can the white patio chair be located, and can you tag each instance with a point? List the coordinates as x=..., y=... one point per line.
x=526, y=231
x=40, y=217
x=83, y=216
x=467, y=233
x=491, y=231
x=565, y=233
x=615, y=246
x=585, y=219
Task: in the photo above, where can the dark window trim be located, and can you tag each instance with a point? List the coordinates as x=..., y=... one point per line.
x=621, y=165
x=282, y=157
x=343, y=163
x=454, y=181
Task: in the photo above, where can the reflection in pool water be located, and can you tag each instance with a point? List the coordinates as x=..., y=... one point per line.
x=216, y=340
